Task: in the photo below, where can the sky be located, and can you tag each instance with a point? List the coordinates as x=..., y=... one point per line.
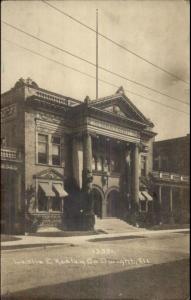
x=156, y=30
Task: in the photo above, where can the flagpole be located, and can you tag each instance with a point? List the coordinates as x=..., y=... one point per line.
x=96, y=54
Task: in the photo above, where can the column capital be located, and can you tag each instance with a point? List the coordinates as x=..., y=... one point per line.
x=87, y=133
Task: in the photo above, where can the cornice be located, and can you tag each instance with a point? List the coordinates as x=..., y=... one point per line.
x=122, y=96
x=46, y=103
x=115, y=119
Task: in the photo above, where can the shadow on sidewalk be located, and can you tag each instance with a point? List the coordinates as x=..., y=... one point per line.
x=161, y=282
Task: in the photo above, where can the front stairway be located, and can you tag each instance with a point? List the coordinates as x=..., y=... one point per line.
x=113, y=225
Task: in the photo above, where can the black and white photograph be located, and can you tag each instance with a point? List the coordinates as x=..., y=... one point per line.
x=95, y=149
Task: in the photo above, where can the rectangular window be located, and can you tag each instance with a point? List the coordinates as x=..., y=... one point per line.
x=42, y=149
x=56, y=145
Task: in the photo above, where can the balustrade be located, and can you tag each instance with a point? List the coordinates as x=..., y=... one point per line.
x=9, y=154
x=170, y=176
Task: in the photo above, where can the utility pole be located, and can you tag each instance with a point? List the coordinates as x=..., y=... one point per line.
x=96, y=54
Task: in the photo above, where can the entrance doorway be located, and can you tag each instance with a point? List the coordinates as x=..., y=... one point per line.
x=113, y=203
x=97, y=198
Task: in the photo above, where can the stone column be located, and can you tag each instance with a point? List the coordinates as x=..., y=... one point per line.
x=87, y=151
x=89, y=219
x=135, y=175
x=127, y=179
x=77, y=160
x=87, y=161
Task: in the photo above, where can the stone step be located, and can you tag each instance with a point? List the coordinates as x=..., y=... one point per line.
x=48, y=229
x=113, y=225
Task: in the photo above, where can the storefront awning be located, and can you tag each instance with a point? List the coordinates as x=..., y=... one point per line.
x=47, y=189
x=141, y=197
x=60, y=190
x=147, y=196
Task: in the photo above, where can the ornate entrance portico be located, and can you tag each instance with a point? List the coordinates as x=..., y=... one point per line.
x=110, y=135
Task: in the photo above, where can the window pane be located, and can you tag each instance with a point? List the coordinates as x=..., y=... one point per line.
x=56, y=204
x=42, y=158
x=42, y=201
x=42, y=148
x=56, y=140
x=56, y=160
x=55, y=150
x=42, y=138
x=55, y=154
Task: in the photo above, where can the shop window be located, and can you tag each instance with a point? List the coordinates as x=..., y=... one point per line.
x=42, y=149
x=56, y=150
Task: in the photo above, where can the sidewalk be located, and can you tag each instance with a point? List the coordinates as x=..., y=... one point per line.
x=36, y=241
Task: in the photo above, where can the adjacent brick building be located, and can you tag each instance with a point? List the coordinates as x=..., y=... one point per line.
x=171, y=168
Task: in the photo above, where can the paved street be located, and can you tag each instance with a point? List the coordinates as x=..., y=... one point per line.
x=146, y=266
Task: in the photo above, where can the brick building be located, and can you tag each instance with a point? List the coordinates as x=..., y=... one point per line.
x=57, y=150
x=171, y=168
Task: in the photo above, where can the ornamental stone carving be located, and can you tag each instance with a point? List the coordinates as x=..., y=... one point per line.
x=113, y=127
x=8, y=112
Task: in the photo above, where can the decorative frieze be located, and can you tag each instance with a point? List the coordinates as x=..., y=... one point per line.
x=49, y=125
x=113, y=127
x=44, y=116
x=8, y=112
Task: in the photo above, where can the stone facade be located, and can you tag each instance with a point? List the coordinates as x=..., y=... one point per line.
x=77, y=158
